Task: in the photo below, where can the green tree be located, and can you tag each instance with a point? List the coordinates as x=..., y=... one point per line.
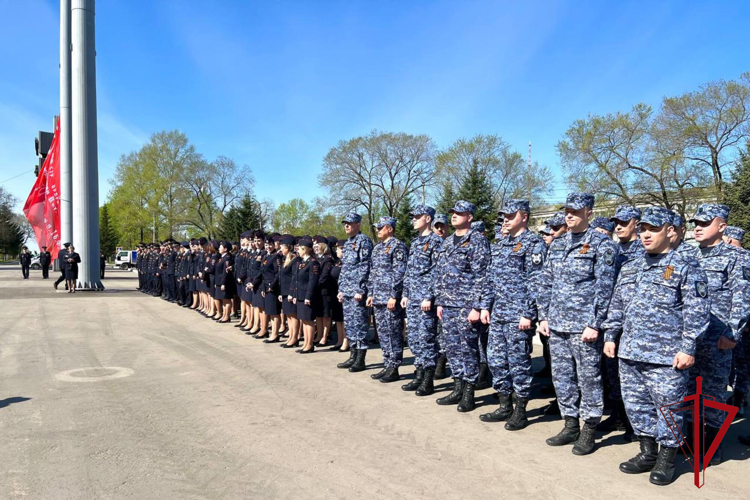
x=404, y=230
x=476, y=188
x=12, y=235
x=107, y=235
x=738, y=195
x=239, y=218
x=447, y=197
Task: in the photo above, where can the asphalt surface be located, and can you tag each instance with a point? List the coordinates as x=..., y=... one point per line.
x=116, y=394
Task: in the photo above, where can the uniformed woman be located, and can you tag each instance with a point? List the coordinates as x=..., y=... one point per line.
x=287, y=272
x=323, y=320
x=209, y=278
x=270, y=291
x=256, y=285
x=224, y=286
x=72, y=259
x=307, y=298
x=337, y=308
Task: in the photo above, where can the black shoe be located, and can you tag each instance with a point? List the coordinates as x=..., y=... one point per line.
x=391, y=375
x=290, y=346
x=427, y=386
x=359, y=361
x=440, y=367
x=349, y=362
x=454, y=397
x=272, y=341
x=615, y=421
x=309, y=351
x=485, y=378
x=585, y=442
x=569, y=433
x=502, y=413
x=414, y=384
x=518, y=420
x=379, y=375
x=645, y=460
x=663, y=472
x=552, y=409
x=467, y=400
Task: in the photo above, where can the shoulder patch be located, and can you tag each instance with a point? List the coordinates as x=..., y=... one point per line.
x=536, y=259
x=701, y=289
x=609, y=256
x=399, y=254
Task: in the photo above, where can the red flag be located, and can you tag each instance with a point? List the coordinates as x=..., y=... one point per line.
x=42, y=207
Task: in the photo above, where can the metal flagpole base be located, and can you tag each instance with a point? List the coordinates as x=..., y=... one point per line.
x=89, y=286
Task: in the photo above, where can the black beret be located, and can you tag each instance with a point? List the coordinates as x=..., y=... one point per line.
x=305, y=242
x=185, y=244
x=320, y=239
x=202, y=240
x=287, y=240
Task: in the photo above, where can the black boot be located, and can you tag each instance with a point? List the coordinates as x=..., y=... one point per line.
x=414, y=384
x=349, y=362
x=645, y=460
x=615, y=420
x=568, y=435
x=518, y=420
x=739, y=399
x=552, y=409
x=585, y=442
x=454, y=397
x=359, y=362
x=426, y=387
x=440, y=367
x=380, y=374
x=502, y=413
x=484, y=381
x=467, y=400
x=718, y=457
x=663, y=472
x=391, y=375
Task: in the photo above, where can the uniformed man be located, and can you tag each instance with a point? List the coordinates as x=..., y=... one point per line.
x=509, y=306
x=626, y=230
x=734, y=235
x=355, y=272
x=419, y=301
x=460, y=274
x=677, y=239
x=659, y=310
x=45, y=259
x=440, y=228
x=728, y=272
x=102, y=265
x=740, y=376
x=25, y=261
x=61, y=260
x=485, y=377
x=385, y=286
x=603, y=225
x=546, y=234
x=577, y=284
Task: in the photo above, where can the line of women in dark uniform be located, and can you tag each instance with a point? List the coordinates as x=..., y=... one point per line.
x=278, y=286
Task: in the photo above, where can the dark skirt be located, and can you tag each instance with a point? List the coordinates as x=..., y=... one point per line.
x=227, y=293
x=258, y=300
x=325, y=306
x=271, y=304
x=304, y=312
x=247, y=295
x=211, y=285
x=337, y=310
x=71, y=274
x=289, y=308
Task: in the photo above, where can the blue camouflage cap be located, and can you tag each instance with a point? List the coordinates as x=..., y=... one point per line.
x=709, y=211
x=352, y=217
x=422, y=210
x=626, y=213
x=440, y=219
x=478, y=226
x=513, y=205
x=734, y=232
x=656, y=216
x=463, y=206
x=677, y=220
x=386, y=221
x=546, y=230
x=557, y=219
x=603, y=223
x=577, y=201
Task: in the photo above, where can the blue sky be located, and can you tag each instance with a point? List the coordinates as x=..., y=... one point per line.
x=276, y=84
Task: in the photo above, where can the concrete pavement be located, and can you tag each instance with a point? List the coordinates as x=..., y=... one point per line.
x=116, y=394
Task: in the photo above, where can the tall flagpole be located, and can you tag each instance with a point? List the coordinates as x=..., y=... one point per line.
x=85, y=149
x=66, y=181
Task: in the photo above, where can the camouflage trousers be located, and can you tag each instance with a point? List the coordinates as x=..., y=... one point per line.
x=509, y=354
x=356, y=317
x=422, y=334
x=741, y=362
x=577, y=375
x=391, y=334
x=612, y=370
x=484, y=335
x=647, y=387
x=440, y=338
x=714, y=366
x=461, y=343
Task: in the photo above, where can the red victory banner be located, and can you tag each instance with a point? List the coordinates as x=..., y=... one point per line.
x=42, y=207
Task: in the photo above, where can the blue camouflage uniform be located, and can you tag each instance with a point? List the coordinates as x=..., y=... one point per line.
x=386, y=281
x=660, y=307
x=355, y=272
x=741, y=352
x=440, y=219
x=459, y=280
x=510, y=294
x=683, y=248
x=418, y=287
x=728, y=273
x=484, y=330
x=603, y=223
x=575, y=289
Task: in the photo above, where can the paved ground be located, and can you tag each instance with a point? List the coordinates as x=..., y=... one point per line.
x=202, y=411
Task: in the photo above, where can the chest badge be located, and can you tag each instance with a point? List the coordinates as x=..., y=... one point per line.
x=387, y=249
x=585, y=249
x=465, y=243
x=426, y=246
x=517, y=247
x=668, y=272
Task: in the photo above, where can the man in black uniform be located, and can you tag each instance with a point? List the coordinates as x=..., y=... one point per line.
x=102, y=265
x=25, y=260
x=61, y=259
x=45, y=259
